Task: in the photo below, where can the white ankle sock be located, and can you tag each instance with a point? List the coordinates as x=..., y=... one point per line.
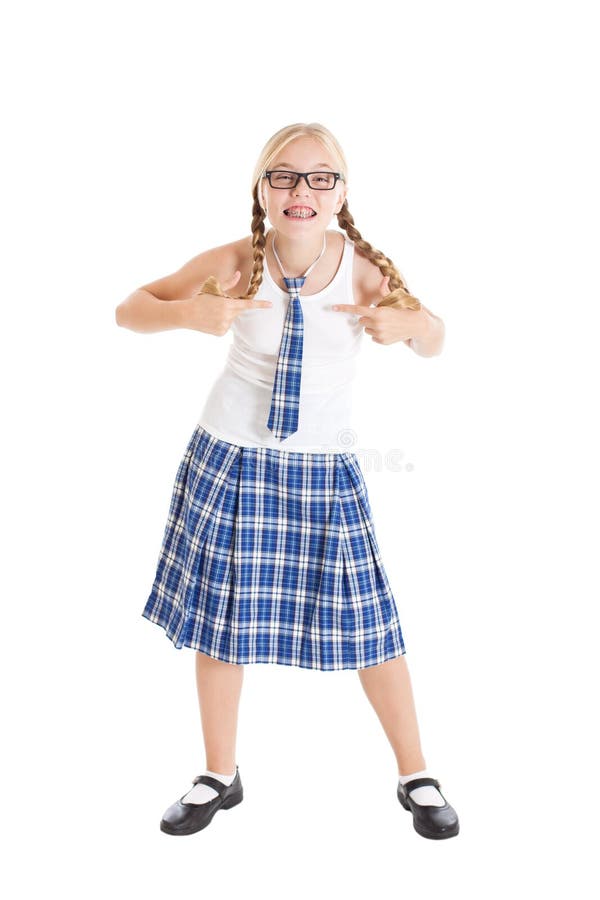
x=202, y=793
x=427, y=795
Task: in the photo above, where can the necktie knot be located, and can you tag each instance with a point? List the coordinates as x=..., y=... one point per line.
x=294, y=284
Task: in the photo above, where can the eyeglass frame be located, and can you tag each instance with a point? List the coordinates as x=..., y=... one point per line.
x=267, y=175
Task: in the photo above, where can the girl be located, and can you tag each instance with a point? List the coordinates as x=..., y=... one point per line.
x=269, y=553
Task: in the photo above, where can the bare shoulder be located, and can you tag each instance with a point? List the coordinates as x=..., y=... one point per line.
x=366, y=278
x=221, y=261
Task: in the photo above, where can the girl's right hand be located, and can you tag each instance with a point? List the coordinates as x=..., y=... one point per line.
x=214, y=314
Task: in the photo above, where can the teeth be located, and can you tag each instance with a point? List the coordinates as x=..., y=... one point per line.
x=299, y=215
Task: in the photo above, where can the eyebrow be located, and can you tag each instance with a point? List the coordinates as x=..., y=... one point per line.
x=326, y=165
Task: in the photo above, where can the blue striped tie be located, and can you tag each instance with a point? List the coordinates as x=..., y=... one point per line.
x=285, y=402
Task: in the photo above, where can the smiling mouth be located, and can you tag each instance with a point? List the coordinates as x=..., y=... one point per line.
x=299, y=214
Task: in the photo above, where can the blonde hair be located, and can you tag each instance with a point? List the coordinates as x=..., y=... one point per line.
x=399, y=294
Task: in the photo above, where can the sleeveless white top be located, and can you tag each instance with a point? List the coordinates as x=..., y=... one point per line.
x=237, y=407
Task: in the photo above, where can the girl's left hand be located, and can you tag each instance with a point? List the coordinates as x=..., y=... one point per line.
x=387, y=324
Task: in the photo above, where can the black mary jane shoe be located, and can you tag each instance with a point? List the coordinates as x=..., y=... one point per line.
x=187, y=818
x=430, y=821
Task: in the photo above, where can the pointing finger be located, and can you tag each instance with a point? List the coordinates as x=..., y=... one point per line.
x=241, y=305
x=354, y=308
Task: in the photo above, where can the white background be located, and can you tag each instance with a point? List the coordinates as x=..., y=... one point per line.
x=470, y=132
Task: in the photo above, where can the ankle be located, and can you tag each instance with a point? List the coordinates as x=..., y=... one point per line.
x=415, y=766
x=224, y=768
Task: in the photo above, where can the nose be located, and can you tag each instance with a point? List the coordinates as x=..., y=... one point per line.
x=302, y=187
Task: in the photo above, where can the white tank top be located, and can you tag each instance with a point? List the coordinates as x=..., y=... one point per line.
x=237, y=407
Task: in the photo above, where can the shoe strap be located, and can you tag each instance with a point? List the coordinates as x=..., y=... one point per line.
x=420, y=782
x=219, y=786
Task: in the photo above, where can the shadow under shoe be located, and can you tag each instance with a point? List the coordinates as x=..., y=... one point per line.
x=429, y=821
x=187, y=818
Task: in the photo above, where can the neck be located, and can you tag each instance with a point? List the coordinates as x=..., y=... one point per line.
x=296, y=253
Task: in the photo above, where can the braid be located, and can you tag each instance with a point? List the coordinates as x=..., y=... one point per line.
x=259, y=243
x=399, y=295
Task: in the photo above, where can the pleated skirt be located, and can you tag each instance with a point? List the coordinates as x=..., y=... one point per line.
x=270, y=556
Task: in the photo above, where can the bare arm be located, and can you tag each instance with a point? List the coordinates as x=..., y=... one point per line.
x=431, y=342
x=144, y=312
x=177, y=301
x=164, y=304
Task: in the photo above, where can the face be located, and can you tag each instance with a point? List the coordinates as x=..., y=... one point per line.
x=304, y=154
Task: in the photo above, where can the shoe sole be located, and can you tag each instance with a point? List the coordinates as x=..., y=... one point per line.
x=433, y=835
x=231, y=801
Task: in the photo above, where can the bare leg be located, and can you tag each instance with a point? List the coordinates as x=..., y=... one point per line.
x=219, y=688
x=389, y=690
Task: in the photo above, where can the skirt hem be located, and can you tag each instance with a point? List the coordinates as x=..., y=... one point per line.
x=265, y=661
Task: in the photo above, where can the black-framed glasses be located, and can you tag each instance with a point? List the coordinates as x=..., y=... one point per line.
x=318, y=181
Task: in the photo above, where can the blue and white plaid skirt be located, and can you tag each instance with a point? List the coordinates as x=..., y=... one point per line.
x=270, y=556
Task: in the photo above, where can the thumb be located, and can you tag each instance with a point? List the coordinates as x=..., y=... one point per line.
x=231, y=281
